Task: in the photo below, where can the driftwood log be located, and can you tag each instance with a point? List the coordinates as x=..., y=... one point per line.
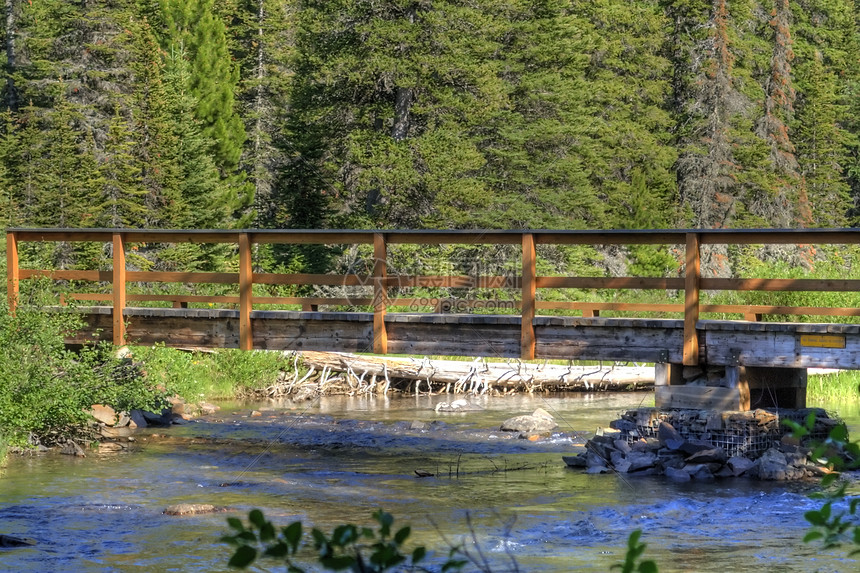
x=376, y=374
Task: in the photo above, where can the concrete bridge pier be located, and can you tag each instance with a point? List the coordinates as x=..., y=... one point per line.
x=728, y=387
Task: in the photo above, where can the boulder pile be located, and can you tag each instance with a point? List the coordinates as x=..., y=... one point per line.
x=688, y=445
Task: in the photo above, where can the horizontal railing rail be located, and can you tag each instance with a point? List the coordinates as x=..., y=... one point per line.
x=527, y=284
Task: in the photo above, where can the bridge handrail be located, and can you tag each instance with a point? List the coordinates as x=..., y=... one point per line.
x=691, y=282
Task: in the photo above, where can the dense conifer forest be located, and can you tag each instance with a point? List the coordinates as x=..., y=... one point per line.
x=430, y=114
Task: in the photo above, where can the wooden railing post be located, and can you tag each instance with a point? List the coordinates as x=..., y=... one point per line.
x=380, y=293
x=13, y=273
x=246, y=283
x=527, y=328
x=692, y=275
x=118, y=287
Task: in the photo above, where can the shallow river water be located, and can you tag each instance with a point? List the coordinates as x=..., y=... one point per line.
x=338, y=459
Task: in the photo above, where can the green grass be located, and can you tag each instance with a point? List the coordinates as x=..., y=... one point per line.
x=218, y=375
x=843, y=385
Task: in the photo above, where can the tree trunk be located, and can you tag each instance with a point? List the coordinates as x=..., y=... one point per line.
x=479, y=376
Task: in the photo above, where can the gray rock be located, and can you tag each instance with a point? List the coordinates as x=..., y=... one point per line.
x=623, y=466
x=417, y=425
x=739, y=465
x=713, y=455
x=577, y=461
x=528, y=424
x=73, y=449
x=641, y=460
x=691, y=447
x=193, y=509
x=137, y=419
x=597, y=470
x=669, y=436
x=123, y=420
x=14, y=541
x=677, y=474
x=699, y=471
x=158, y=419
x=541, y=413
x=622, y=446
x=772, y=465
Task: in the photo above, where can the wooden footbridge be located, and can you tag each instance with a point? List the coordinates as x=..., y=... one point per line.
x=720, y=364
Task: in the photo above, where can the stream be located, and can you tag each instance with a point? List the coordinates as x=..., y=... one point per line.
x=337, y=459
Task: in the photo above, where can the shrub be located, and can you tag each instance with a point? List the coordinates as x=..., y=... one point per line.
x=46, y=389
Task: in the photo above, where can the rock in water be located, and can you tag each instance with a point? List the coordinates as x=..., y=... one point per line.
x=13, y=541
x=192, y=509
x=528, y=424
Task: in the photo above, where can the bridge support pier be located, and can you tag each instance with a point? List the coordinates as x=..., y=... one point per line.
x=728, y=388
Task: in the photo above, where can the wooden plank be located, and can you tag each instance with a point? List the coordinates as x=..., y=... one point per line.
x=611, y=342
x=69, y=275
x=655, y=283
x=454, y=281
x=311, y=237
x=195, y=236
x=380, y=293
x=118, y=288
x=464, y=237
x=180, y=277
x=316, y=301
x=529, y=286
x=69, y=235
x=778, y=349
x=454, y=339
x=702, y=398
x=311, y=279
x=692, y=276
x=13, y=271
x=780, y=236
x=246, y=285
x=609, y=237
x=792, y=285
x=617, y=306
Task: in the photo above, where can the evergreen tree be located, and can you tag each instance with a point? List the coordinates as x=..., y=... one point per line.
x=122, y=193
x=196, y=31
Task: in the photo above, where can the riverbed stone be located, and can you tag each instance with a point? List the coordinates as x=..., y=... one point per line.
x=772, y=465
x=669, y=436
x=677, y=474
x=115, y=433
x=713, y=455
x=193, y=509
x=71, y=448
x=641, y=461
x=15, y=541
x=577, y=461
x=162, y=418
x=137, y=419
x=104, y=414
x=739, y=465
x=528, y=424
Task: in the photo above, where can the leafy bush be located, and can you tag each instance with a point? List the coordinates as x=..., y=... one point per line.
x=349, y=547
x=46, y=389
x=833, y=528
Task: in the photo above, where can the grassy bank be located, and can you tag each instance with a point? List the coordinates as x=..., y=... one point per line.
x=838, y=386
x=219, y=375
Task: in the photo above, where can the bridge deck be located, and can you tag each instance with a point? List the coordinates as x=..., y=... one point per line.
x=728, y=343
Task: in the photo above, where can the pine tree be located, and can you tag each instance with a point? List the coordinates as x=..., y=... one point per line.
x=122, y=193
x=196, y=31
